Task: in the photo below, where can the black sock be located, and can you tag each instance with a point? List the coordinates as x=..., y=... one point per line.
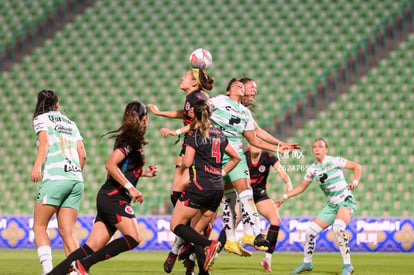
x=272, y=234
x=190, y=235
x=64, y=266
x=110, y=250
x=222, y=238
x=201, y=257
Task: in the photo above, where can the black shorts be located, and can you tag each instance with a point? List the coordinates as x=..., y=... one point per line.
x=209, y=199
x=259, y=194
x=110, y=210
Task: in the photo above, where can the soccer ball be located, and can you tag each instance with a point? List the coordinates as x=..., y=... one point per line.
x=201, y=59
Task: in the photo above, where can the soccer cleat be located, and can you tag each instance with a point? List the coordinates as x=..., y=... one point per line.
x=236, y=248
x=186, y=251
x=189, y=267
x=169, y=262
x=260, y=243
x=248, y=239
x=78, y=267
x=348, y=269
x=267, y=265
x=214, y=260
x=210, y=252
x=302, y=267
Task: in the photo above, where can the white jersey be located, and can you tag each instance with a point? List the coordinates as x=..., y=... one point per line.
x=62, y=161
x=330, y=177
x=232, y=118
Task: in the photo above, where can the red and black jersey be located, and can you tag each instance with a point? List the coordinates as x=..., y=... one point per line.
x=190, y=101
x=260, y=171
x=205, y=173
x=131, y=166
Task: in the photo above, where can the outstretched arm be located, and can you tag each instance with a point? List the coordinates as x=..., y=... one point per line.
x=170, y=114
x=262, y=134
x=294, y=192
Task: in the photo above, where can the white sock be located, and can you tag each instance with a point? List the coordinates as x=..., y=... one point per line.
x=268, y=256
x=229, y=214
x=342, y=240
x=249, y=212
x=178, y=242
x=247, y=228
x=310, y=241
x=45, y=257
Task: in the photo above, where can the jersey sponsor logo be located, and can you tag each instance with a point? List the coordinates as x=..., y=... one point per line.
x=71, y=168
x=234, y=120
x=262, y=168
x=129, y=210
x=59, y=119
x=63, y=129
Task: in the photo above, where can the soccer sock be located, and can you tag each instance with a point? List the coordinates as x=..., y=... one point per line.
x=64, y=266
x=272, y=234
x=45, y=257
x=249, y=211
x=110, y=250
x=190, y=235
x=178, y=242
x=310, y=239
x=222, y=238
x=340, y=235
x=229, y=214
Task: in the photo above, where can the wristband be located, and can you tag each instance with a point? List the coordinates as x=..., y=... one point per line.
x=178, y=132
x=355, y=182
x=285, y=196
x=128, y=185
x=223, y=173
x=288, y=183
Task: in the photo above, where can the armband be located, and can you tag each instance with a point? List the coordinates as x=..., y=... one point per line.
x=128, y=185
x=288, y=183
x=285, y=196
x=355, y=182
x=178, y=132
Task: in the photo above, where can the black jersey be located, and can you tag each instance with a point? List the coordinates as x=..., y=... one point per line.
x=205, y=173
x=190, y=101
x=260, y=171
x=131, y=167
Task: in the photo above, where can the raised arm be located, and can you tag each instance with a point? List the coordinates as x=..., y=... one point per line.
x=262, y=134
x=170, y=114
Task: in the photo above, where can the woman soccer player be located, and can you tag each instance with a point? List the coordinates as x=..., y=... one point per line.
x=259, y=163
x=59, y=163
x=193, y=83
x=327, y=170
x=205, y=147
x=125, y=167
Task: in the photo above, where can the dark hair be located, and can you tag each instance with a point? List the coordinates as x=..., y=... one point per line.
x=206, y=80
x=244, y=80
x=321, y=139
x=132, y=130
x=231, y=83
x=46, y=102
x=202, y=114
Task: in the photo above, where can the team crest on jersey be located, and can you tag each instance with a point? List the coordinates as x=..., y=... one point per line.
x=262, y=168
x=187, y=106
x=129, y=210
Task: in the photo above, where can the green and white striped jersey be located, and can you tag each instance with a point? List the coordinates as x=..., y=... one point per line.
x=232, y=118
x=330, y=177
x=62, y=161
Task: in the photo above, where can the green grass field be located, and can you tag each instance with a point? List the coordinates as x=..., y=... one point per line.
x=13, y=262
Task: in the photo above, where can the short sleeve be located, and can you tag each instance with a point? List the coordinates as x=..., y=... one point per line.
x=308, y=175
x=339, y=162
x=250, y=121
x=189, y=140
x=39, y=124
